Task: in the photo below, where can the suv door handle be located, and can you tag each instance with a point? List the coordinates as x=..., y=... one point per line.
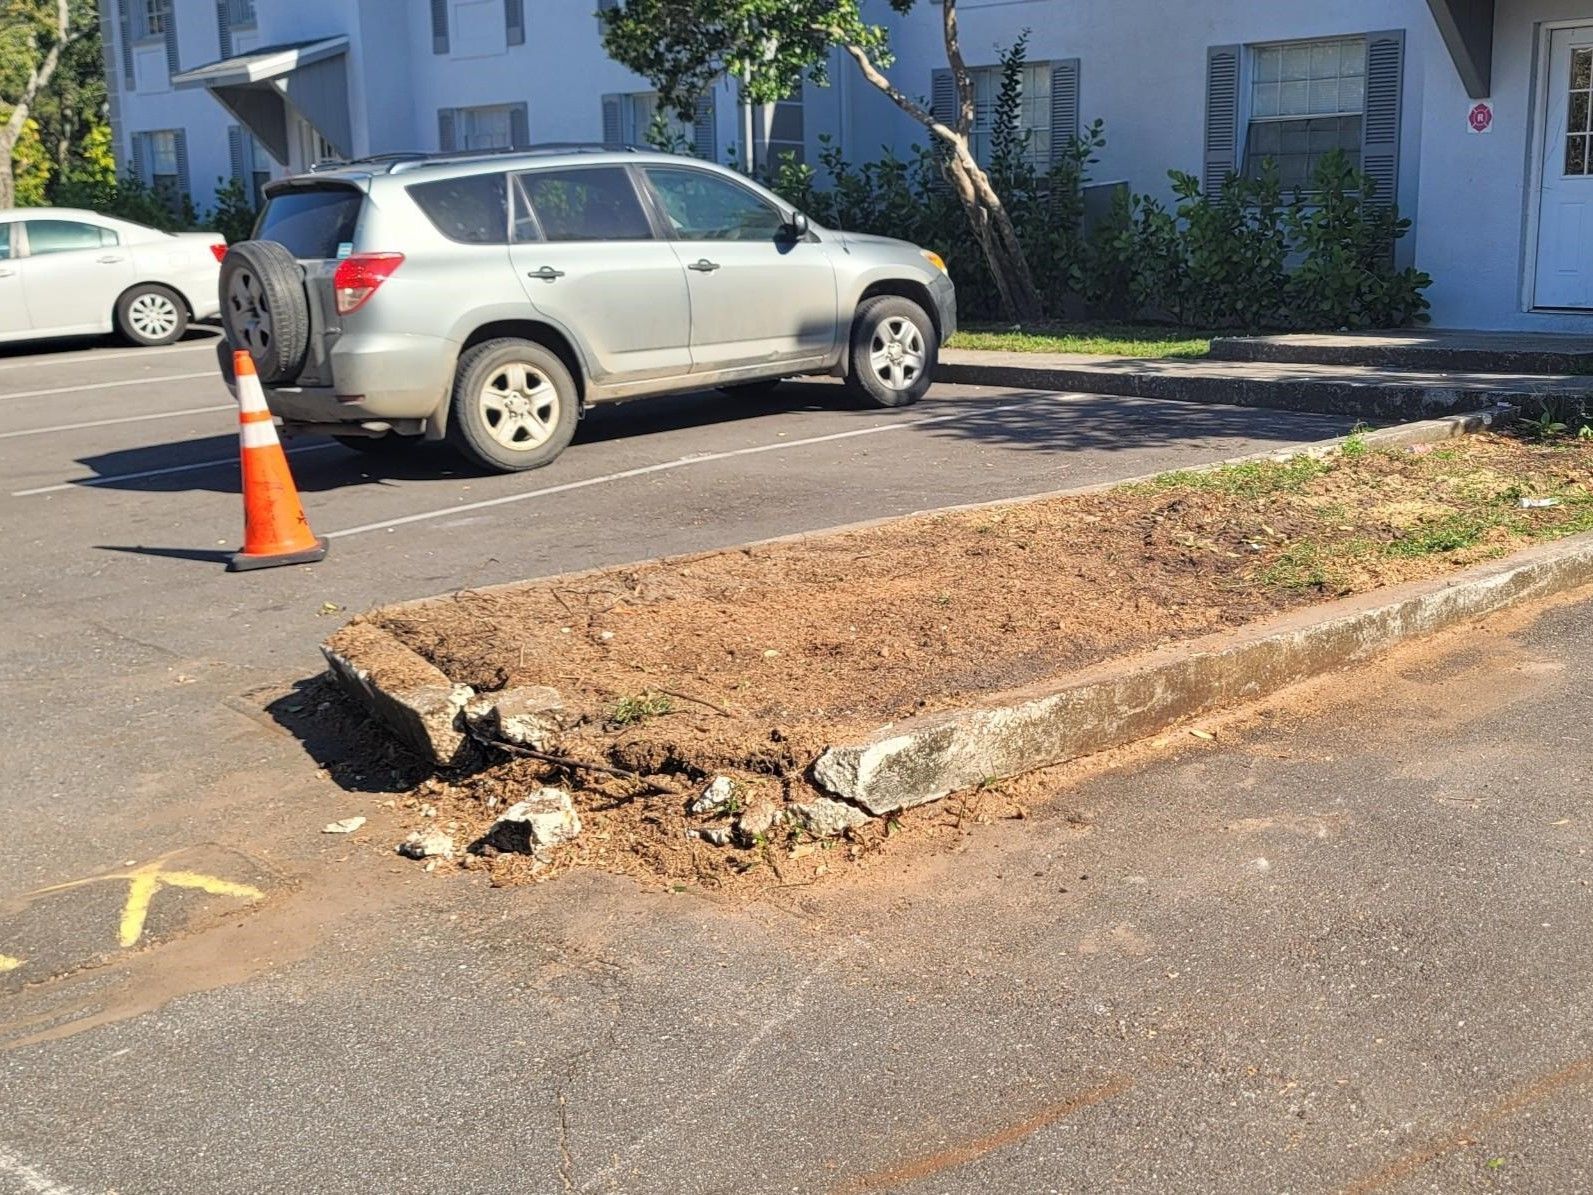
x=703, y=265
x=110, y=259
x=7, y=273
x=546, y=274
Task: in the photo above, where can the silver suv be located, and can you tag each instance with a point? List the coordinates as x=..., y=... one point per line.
x=488, y=299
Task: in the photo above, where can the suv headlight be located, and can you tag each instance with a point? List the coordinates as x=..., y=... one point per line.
x=934, y=259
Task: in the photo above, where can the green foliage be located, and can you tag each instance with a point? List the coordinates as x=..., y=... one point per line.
x=639, y=707
x=30, y=166
x=684, y=47
x=234, y=215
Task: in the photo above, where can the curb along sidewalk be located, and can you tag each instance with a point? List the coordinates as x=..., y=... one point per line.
x=1362, y=391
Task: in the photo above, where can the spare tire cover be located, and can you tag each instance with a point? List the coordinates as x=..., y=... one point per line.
x=264, y=308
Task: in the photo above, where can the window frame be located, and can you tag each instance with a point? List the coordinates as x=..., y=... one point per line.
x=242, y=14
x=143, y=33
x=509, y=192
x=103, y=232
x=657, y=231
x=1044, y=68
x=1247, y=118
x=660, y=213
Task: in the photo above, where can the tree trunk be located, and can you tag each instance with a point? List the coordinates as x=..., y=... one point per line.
x=8, y=181
x=987, y=215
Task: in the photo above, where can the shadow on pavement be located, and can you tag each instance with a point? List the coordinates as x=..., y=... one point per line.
x=357, y=754
x=77, y=344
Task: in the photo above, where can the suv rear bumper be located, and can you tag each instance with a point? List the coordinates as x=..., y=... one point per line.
x=374, y=378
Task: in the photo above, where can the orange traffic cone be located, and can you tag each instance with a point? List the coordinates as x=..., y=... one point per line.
x=275, y=530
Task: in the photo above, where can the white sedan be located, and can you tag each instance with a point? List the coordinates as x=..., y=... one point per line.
x=65, y=272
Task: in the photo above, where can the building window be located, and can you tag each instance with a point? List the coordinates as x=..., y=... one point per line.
x=1307, y=99
x=639, y=111
x=1579, y=103
x=151, y=18
x=240, y=12
x=1034, y=111
x=165, y=176
x=484, y=128
x=784, y=137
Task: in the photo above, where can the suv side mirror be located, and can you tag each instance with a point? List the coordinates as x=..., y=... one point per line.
x=797, y=226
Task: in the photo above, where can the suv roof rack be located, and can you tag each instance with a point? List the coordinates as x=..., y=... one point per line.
x=394, y=162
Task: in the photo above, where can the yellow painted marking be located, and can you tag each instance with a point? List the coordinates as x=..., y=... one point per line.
x=152, y=877
x=142, y=884
x=9, y=963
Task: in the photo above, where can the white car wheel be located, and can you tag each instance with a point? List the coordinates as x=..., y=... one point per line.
x=151, y=315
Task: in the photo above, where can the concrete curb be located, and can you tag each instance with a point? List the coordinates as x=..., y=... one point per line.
x=417, y=703
x=1117, y=702
x=1221, y=383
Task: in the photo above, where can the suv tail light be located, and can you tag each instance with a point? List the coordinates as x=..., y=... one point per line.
x=359, y=275
x=219, y=251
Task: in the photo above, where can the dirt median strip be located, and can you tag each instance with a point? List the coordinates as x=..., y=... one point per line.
x=824, y=682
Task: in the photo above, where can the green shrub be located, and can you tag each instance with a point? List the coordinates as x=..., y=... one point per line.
x=130, y=199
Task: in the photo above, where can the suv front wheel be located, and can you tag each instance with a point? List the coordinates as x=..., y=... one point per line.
x=514, y=405
x=893, y=351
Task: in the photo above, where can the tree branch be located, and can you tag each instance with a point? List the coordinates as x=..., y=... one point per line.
x=959, y=68
x=39, y=78
x=900, y=98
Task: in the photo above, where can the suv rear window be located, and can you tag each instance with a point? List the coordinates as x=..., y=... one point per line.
x=473, y=209
x=312, y=223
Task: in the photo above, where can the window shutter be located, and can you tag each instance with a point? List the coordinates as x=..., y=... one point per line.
x=514, y=21
x=445, y=130
x=439, y=26
x=125, y=21
x=183, y=183
x=943, y=96
x=140, y=158
x=1222, y=116
x=1064, y=106
x=240, y=169
x=519, y=125
x=224, y=27
x=613, y=120
x=1385, y=88
x=704, y=133
x=172, y=65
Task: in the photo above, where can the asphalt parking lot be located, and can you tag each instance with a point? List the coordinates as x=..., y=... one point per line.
x=201, y=992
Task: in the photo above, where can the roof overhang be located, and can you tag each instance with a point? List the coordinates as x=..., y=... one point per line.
x=261, y=65
x=1467, y=29
x=263, y=88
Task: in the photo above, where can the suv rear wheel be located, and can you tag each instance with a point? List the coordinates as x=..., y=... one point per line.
x=514, y=405
x=264, y=308
x=893, y=351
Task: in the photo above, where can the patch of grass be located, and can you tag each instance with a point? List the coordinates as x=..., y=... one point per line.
x=1252, y=479
x=1448, y=534
x=628, y=710
x=1355, y=444
x=1308, y=564
x=1107, y=340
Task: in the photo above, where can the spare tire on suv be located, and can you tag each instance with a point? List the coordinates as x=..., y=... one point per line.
x=264, y=308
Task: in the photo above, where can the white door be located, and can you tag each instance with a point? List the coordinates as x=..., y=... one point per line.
x=13, y=307
x=72, y=276
x=1565, y=208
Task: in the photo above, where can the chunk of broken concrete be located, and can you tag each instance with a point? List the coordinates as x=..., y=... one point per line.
x=826, y=818
x=718, y=793
x=427, y=844
x=528, y=716
x=757, y=820
x=404, y=692
x=546, y=818
x=347, y=826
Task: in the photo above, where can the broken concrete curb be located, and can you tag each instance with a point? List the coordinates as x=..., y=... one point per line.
x=403, y=691
x=1117, y=702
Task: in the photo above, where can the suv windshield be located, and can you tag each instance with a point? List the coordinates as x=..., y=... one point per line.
x=312, y=223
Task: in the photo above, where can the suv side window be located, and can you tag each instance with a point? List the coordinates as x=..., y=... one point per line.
x=63, y=236
x=589, y=203
x=704, y=207
x=472, y=209
x=5, y=242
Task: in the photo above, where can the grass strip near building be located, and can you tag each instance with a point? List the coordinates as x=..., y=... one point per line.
x=1095, y=339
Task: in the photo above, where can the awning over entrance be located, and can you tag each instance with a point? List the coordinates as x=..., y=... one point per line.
x=1467, y=28
x=264, y=88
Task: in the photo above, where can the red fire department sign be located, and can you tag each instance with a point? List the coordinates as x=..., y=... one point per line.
x=1480, y=120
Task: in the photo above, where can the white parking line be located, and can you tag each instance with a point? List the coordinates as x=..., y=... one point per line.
x=171, y=377
x=662, y=467
x=72, y=427
x=30, y=1178
x=82, y=482
x=91, y=355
